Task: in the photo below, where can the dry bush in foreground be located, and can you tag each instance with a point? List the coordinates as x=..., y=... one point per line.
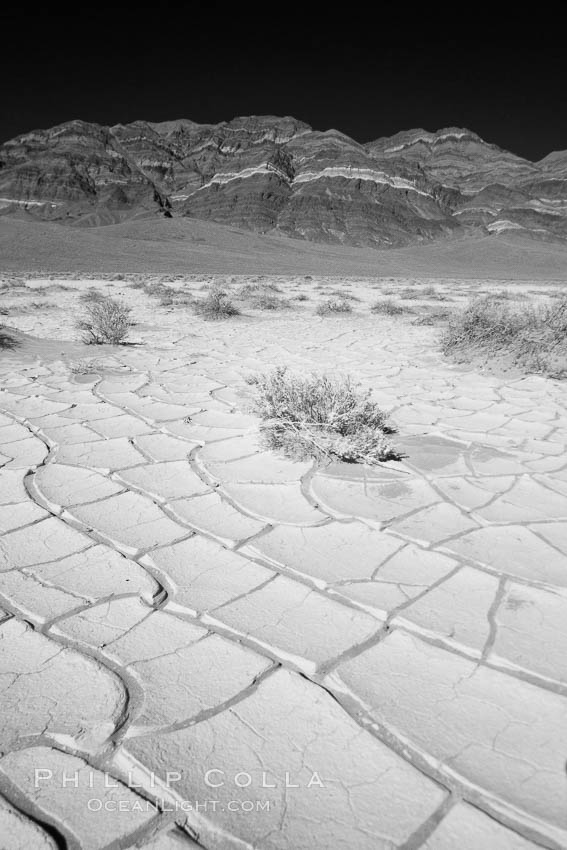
x=321, y=417
x=534, y=336
x=333, y=305
x=105, y=321
x=217, y=305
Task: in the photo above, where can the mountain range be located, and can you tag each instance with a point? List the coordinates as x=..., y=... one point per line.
x=277, y=175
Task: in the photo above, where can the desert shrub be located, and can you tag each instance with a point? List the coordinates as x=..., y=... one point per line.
x=486, y=323
x=267, y=301
x=301, y=297
x=7, y=341
x=507, y=295
x=409, y=294
x=105, y=321
x=160, y=291
x=56, y=287
x=388, y=307
x=434, y=317
x=433, y=294
x=333, y=305
x=348, y=296
x=534, y=336
x=41, y=305
x=251, y=290
x=184, y=300
x=321, y=417
x=91, y=295
x=217, y=305
x=84, y=367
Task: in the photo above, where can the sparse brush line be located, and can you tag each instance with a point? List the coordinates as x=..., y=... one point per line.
x=533, y=336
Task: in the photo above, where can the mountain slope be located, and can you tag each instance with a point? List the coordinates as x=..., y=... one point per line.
x=273, y=174
x=499, y=190
x=75, y=171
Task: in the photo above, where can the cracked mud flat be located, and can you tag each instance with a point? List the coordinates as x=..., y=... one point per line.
x=368, y=658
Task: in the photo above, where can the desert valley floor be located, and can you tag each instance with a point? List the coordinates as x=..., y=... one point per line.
x=225, y=648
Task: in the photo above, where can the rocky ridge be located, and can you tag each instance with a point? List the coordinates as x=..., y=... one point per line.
x=272, y=174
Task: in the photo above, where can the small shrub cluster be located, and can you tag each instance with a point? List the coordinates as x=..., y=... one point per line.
x=345, y=296
x=387, y=307
x=84, y=367
x=433, y=317
x=409, y=294
x=513, y=296
x=39, y=305
x=534, y=336
x=91, y=295
x=216, y=305
x=321, y=417
x=184, y=299
x=249, y=290
x=332, y=306
x=433, y=294
x=105, y=321
x=167, y=296
x=267, y=301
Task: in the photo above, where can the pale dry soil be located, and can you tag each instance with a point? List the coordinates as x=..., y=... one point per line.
x=371, y=657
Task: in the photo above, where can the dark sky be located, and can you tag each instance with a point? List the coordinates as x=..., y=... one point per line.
x=158, y=66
